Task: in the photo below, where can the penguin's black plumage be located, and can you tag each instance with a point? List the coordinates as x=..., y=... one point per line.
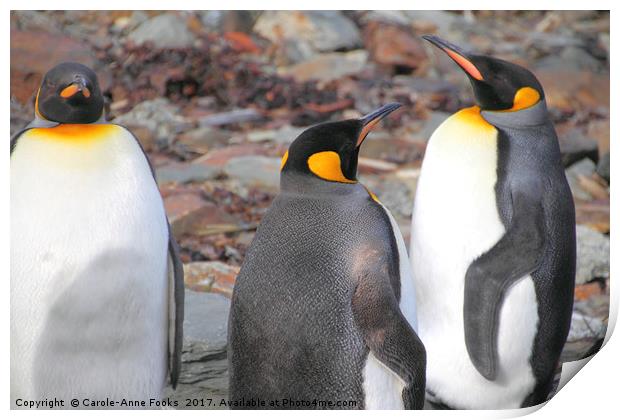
x=316, y=311
x=517, y=262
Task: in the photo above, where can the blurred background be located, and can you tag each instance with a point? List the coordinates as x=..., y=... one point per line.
x=216, y=97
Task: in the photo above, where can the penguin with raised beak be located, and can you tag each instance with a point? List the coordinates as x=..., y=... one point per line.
x=493, y=243
x=323, y=310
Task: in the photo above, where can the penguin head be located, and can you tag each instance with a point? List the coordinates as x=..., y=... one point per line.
x=69, y=94
x=498, y=85
x=329, y=151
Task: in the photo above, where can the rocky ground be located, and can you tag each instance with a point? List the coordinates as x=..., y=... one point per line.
x=216, y=97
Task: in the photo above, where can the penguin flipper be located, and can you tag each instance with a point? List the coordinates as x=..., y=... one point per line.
x=518, y=253
x=389, y=336
x=176, y=295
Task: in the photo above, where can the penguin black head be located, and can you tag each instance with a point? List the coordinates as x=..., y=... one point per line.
x=70, y=94
x=330, y=150
x=498, y=85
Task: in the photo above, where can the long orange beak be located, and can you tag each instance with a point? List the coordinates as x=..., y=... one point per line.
x=456, y=54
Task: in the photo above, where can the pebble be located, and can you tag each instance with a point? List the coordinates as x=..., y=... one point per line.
x=592, y=255
x=167, y=30
x=310, y=31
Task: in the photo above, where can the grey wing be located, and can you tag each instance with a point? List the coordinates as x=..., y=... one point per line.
x=489, y=277
x=387, y=333
x=176, y=295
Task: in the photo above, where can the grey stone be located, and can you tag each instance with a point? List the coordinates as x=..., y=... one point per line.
x=312, y=31
x=211, y=19
x=585, y=167
x=575, y=145
x=592, y=255
x=204, y=371
x=206, y=321
x=397, y=17
x=328, y=67
x=549, y=41
x=572, y=57
x=283, y=135
x=443, y=20
x=584, y=326
x=394, y=193
x=167, y=30
x=182, y=173
x=255, y=170
x=202, y=140
x=602, y=168
x=435, y=119
x=236, y=116
x=159, y=116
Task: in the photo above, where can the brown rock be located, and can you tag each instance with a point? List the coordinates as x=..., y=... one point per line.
x=145, y=136
x=328, y=67
x=585, y=291
x=594, y=214
x=394, y=46
x=220, y=157
x=188, y=213
x=570, y=90
x=203, y=139
x=212, y=276
x=34, y=53
x=599, y=130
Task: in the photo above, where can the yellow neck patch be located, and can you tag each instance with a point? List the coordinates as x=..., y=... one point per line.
x=372, y=195
x=326, y=165
x=78, y=133
x=471, y=116
x=524, y=98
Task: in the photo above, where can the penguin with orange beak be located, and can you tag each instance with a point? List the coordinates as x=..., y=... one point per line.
x=493, y=243
x=323, y=310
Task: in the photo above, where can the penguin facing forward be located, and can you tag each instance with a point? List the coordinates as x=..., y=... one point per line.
x=493, y=244
x=96, y=280
x=323, y=309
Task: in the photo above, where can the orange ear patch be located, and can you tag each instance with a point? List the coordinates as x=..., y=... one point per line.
x=326, y=165
x=524, y=98
x=467, y=65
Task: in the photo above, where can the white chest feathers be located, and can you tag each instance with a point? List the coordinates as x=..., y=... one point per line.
x=88, y=266
x=455, y=220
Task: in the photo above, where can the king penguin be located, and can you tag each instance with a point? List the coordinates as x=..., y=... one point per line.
x=96, y=280
x=323, y=310
x=493, y=244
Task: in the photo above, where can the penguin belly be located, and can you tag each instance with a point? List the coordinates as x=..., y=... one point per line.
x=88, y=269
x=455, y=220
x=383, y=388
